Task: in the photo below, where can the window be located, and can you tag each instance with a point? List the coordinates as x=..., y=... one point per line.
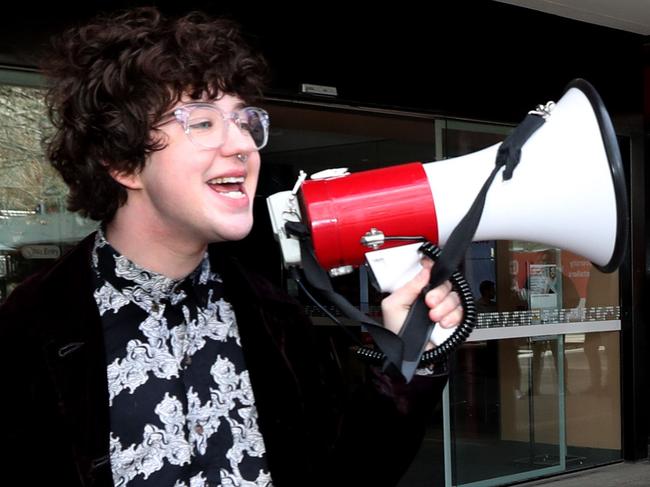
x=35, y=227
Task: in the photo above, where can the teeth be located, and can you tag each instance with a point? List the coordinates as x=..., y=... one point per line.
x=232, y=194
x=229, y=180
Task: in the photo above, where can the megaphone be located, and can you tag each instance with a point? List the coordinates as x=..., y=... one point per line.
x=568, y=191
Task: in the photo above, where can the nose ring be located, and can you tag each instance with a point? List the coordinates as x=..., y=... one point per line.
x=242, y=157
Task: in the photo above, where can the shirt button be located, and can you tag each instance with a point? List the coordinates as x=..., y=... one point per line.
x=199, y=429
x=154, y=307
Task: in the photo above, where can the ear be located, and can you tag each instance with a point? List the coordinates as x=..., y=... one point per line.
x=130, y=180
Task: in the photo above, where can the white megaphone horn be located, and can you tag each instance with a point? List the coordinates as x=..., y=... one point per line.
x=568, y=191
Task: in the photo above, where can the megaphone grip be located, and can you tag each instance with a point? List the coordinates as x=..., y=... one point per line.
x=415, y=335
x=438, y=356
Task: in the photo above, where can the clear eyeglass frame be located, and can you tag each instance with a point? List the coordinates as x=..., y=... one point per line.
x=207, y=128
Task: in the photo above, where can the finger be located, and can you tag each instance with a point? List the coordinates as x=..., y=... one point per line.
x=446, y=306
x=426, y=262
x=434, y=297
x=452, y=318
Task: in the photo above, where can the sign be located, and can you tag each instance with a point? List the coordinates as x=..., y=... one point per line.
x=40, y=251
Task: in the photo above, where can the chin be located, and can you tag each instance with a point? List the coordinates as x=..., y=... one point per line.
x=234, y=237
x=235, y=232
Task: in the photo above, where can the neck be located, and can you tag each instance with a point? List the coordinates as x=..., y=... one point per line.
x=152, y=248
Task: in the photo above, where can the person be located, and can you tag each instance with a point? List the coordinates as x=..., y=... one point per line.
x=147, y=355
x=486, y=303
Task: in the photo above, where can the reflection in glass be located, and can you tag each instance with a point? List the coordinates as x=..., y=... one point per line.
x=593, y=406
x=500, y=424
x=34, y=224
x=525, y=407
x=531, y=406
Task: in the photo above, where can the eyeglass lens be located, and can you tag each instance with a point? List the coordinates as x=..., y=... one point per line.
x=207, y=126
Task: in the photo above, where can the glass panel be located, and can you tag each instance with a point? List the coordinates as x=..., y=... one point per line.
x=505, y=410
x=511, y=415
x=566, y=286
x=480, y=271
x=459, y=139
x=593, y=405
x=34, y=225
x=539, y=285
x=462, y=138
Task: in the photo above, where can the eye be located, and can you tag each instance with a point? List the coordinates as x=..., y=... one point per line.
x=200, y=124
x=245, y=126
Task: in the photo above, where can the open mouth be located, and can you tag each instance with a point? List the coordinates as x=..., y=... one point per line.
x=230, y=187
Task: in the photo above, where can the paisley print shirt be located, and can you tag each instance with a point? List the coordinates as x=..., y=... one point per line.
x=182, y=409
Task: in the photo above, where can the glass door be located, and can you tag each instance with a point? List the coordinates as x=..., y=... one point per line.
x=35, y=226
x=535, y=389
x=504, y=411
x=499, y=426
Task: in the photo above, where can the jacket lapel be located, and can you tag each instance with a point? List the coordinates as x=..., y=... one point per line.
x=72, y=339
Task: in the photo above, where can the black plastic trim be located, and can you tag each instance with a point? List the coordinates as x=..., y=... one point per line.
x=616, y=166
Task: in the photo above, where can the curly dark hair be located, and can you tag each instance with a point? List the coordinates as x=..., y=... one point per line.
x=114, y=78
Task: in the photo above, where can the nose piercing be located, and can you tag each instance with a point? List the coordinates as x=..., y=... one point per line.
x=242, y=157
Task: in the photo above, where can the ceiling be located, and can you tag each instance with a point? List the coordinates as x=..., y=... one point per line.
x=627, y=15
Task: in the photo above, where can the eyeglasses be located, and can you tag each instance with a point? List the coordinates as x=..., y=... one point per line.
x=207, y=127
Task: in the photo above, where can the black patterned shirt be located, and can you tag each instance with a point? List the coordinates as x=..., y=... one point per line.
x=182, y=410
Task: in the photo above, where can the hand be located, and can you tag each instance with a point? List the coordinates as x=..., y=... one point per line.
x=444, y=304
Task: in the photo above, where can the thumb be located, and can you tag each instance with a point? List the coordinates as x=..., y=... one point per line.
x=411, y=290
x=395, y=307
x=407, y=294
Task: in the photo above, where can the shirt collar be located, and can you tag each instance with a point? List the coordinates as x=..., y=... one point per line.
x=121, y=273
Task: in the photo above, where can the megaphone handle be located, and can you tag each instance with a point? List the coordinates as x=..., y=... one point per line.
x=461, y=332
x=439, y=334
x=417, y=328
x=415, y=334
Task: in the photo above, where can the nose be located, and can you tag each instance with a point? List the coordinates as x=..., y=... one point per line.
x=237, y=140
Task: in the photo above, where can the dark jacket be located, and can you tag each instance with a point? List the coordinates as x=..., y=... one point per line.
x=55, y=400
